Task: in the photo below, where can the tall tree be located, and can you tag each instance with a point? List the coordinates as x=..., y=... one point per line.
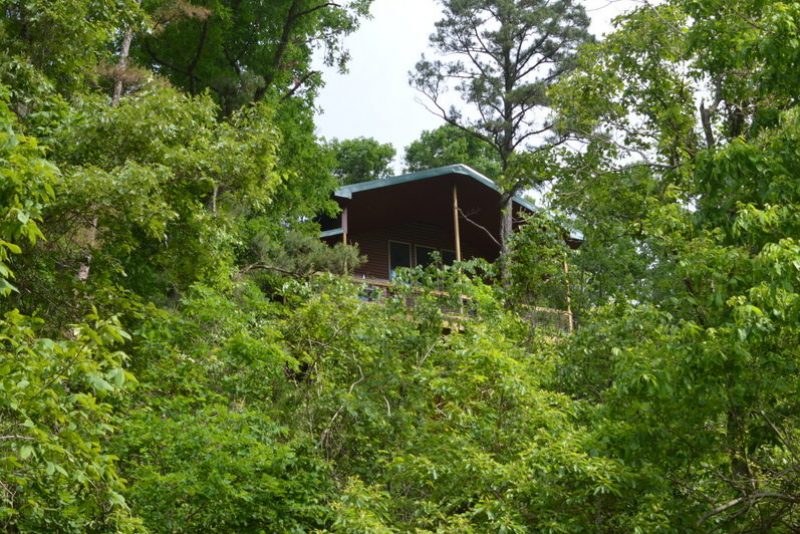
x=647, y=101
x=448, y=145
x=690, y=112
x=361, y=159
x=505, y=54
x=64, y=40
x=246, y=50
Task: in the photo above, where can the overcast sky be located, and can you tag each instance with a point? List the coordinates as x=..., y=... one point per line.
x=374, y=99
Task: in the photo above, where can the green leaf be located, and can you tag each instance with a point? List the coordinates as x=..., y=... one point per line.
x=25, y=451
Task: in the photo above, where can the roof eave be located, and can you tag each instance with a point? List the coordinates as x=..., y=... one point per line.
x=347, y=191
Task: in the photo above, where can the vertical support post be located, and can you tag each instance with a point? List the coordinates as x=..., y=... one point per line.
x=570, y=324
x=344, y=226
x=344, y=238
x=456, y=227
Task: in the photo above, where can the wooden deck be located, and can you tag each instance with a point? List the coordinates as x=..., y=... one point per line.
x=376, y=289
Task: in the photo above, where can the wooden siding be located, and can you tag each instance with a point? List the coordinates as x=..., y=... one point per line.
x=375, y=245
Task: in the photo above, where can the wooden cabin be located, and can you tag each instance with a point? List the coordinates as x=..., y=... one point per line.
x=400, y=221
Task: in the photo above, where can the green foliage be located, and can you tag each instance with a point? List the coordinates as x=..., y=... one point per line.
x=336, y=413
x=617, y=260
x=307, y=165
x=154, y=191
x=361, y=160
x=56, y=413
x=537, y=264
x=63, y=40
x=633, y=98
x=610, y=95
x=244, y=51
x=221, y=469
x=301, y=254
x=689, y=382
x=448, y=145
x=54, y=410
x=26, y=186
x=201, y=448
x=254, y=394
x=440, y=427
x=360, y=508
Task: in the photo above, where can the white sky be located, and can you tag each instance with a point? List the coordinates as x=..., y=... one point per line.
x=374, y=98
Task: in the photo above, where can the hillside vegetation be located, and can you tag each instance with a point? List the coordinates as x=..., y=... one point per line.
x=180, y=353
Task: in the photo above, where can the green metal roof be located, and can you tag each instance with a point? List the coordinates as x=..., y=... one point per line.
x=347, y=191
x=331, y=233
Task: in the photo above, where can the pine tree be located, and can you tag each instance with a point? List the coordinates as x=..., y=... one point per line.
x=505, y=54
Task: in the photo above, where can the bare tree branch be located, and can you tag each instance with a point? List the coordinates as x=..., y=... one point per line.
x=486, y=230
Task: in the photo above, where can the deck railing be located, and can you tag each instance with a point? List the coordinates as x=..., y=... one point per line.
x=376, y=289
x=552, y=318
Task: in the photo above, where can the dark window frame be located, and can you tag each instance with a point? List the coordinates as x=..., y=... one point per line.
x=441, y=252
x=410, y=255
x=416, y=253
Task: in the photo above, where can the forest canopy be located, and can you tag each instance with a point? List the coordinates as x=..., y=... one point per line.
x=179, y=352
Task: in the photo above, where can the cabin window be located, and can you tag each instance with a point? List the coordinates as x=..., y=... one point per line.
x=425, y=256
x=399, y=256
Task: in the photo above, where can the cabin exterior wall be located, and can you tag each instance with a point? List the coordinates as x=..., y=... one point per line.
x=375, y=245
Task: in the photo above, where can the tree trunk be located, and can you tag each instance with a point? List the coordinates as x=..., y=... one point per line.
x=506, y=228
x=568, y=298
x=122, y=64
x=736, y=428
x=506, y=225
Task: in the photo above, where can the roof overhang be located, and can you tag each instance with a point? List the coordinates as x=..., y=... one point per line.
x=347, y=191
x=331, y=233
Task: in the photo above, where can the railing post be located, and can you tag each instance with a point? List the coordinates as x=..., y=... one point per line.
x=456, y=228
